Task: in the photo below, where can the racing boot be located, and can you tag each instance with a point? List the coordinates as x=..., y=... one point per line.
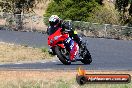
x=72, y=47
x=74, y=52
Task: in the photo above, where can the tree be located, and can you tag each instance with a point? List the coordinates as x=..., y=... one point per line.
x=12, y=5
x=125, y=9
x=17, y=7
x=83, y=10
x=72, y=9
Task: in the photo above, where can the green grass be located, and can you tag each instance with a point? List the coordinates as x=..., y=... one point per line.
x=44, y=49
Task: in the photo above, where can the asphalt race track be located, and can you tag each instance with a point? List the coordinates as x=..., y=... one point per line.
x=107, y=54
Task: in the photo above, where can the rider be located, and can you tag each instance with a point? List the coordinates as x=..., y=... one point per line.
x=55, y=23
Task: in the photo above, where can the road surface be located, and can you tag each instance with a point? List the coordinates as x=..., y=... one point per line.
x=107, y=54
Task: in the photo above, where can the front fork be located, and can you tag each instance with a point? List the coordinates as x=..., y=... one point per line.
x=52, y=51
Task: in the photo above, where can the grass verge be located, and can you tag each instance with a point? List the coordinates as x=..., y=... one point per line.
x=51, y=79
x=18, y=53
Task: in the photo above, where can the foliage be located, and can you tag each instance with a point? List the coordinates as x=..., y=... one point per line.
x=44, y=49
x=72, y=9
x=18, y=7
x=84, y=10
x=125, y=9
x=13, y=6
x=46, y=20
x=105, y=14
x=121, y=4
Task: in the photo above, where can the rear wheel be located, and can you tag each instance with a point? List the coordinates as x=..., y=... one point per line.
x=63, y=55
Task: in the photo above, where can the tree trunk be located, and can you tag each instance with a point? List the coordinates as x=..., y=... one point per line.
x=18, y=16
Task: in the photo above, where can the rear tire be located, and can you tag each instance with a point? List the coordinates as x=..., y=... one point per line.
x=61, y=57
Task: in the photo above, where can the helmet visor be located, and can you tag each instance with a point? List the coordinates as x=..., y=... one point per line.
x=53, y=23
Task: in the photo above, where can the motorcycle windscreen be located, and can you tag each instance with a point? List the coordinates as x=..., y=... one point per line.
x=52, y=30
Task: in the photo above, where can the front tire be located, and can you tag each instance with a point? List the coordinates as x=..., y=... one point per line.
x=85, y=54
x=61, y=57
x=87, y=59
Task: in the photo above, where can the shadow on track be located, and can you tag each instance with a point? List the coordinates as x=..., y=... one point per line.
x=72, y=64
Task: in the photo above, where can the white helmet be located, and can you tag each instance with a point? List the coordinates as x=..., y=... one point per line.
x=54, y=20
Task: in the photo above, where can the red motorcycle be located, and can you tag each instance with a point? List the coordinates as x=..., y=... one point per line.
x=56, y=41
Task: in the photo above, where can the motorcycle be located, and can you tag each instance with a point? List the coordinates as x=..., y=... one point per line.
x=56, y=41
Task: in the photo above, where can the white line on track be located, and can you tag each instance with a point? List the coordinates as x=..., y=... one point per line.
x=1, y=64
x=18, y=63
x=43, y=62
x=54, y=61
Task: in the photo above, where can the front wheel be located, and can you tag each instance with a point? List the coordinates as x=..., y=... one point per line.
x=63, y=57
x=85, y=54
x=87, y=59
